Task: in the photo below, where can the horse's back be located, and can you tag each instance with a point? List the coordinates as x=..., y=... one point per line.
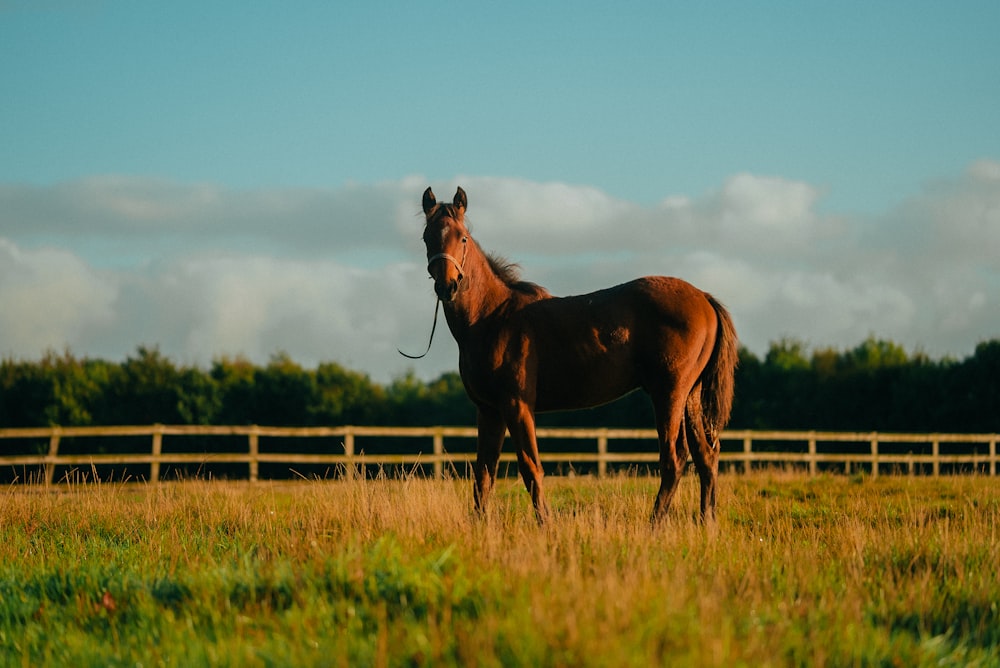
x=649, y=304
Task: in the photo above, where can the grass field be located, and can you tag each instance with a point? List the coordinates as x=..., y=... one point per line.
x=799, y=571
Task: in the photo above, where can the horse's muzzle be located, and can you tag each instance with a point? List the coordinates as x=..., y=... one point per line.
x=447, y=290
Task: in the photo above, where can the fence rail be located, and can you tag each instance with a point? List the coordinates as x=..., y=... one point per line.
x=871, y=452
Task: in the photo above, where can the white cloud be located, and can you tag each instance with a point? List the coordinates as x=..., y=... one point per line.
x=767, y=202
x=49, y=298
x=105, y=264
x=766, y=216
x=156, y=217
x=965, y=214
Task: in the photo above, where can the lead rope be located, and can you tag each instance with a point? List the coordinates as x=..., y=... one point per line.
x=437, y=307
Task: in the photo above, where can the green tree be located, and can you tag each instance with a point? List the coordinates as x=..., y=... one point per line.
x=345, y=397
x=234, y=378
x=283, y=393
x=787, y=354
x=200, y=399
x=787, y=387
x=442, y=401
x=749, y=405
x=973, y=390
x=78, y=388
x=25, y=394
x=148, y=388
x=874, y=354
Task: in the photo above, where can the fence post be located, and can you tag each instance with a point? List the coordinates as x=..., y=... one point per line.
x=50, y=464
x=349, y=453
x=747, y=449
x=935, y=454
x=438, y=453
x=602, y=453
x=154, y=466
x=874, y=454
x=993, y=456
x=812, y=453
x=254, y=438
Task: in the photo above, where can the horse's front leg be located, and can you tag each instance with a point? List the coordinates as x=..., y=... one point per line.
x=522, y=430
x=492, y=430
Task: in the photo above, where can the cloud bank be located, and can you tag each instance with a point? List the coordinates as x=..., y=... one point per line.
x=102, y=265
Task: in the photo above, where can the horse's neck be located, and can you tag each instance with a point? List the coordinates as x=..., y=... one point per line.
x=485, y=294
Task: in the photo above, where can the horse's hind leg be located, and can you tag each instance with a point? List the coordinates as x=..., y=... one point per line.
x=669, y=413
x=704, y=453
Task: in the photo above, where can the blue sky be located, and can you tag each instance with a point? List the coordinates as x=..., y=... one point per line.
x=148, y=144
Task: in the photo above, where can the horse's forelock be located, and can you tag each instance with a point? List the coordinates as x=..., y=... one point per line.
x=443, y=210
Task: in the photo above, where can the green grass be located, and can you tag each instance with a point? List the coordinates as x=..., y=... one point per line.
x=798, y=571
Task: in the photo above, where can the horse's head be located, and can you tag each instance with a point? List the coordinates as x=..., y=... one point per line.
x=447, y=242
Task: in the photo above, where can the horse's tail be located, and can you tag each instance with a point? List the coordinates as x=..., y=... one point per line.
x=718, y=380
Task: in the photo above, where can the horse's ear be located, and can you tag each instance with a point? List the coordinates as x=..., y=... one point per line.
x=429, y=201
x=460, y=199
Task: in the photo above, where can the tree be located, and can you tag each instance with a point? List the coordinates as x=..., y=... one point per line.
x=787, y=387
x=26, y=394
x=234, y=378
x=787, y=354
x=442, y=401
x=78, y=388
x=283, y=393
x=874, y=354
x=973, y=390
x=345, y=397
x=148, y=389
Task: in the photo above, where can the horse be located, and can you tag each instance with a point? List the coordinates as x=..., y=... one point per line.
x=523, y=351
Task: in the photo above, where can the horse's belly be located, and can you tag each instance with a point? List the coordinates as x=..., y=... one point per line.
x=582, y=386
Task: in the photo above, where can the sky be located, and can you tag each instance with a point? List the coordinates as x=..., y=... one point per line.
x=223, y=179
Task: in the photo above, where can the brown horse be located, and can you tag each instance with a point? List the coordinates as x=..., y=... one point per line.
x=521, y=350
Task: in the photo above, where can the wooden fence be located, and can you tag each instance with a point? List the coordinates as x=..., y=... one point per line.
x=869, y=452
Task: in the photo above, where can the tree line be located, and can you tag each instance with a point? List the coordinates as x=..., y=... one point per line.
x=876, y=385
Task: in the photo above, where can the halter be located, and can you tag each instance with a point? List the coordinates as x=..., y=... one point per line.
x=451, y=258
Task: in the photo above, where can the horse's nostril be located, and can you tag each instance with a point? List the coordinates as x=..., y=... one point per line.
x=446, y=291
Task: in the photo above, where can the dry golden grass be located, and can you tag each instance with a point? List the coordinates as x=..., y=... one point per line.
x=798, y=571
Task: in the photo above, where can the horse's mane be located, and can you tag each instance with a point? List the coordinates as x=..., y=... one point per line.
x=510, y=274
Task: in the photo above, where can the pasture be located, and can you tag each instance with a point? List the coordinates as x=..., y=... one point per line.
x=830, y=570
